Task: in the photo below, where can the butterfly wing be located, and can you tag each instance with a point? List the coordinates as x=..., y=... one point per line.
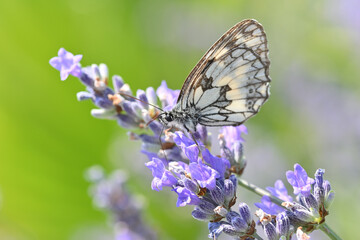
x=231, y=81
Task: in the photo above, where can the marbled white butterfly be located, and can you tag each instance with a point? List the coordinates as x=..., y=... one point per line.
x=228, y=85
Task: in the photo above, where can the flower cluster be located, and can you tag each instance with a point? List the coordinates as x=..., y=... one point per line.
x=314, y=198
x=110, y=193
x=182, y=162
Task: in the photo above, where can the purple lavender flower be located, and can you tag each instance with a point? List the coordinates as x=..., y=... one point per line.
x=204, y=175
x=167, y=96
x=186, y=197
x=231, y=147
x=299, y=180
x=67, y=64
x=233, y=134
x=218, y=164
x=188, y=146
x=279, y=190
x=268, y=206
x=162, y=177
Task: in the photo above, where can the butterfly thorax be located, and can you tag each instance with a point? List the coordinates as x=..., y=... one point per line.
x=183, y=119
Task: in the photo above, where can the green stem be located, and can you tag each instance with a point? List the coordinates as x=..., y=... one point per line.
x=329, y=232
x=261, y=192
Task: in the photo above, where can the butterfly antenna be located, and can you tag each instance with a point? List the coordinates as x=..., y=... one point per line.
x=127, y=95
x=153, y=119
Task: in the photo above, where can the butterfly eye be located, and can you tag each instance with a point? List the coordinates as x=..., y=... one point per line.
x=169, y=118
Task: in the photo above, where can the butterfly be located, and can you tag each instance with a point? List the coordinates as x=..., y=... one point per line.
x=228, y=85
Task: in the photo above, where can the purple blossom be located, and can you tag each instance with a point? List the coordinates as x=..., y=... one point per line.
x=299, y=180
x=66, y=63
x=186, y=197
x=280, y=191
x=219, y=164
x=233, y=134
x=162, y=177
x=269, y=207
x=204, y=175
x=167, y=96
x=188, y=146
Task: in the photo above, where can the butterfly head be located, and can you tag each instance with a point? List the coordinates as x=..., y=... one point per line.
x=166, y=117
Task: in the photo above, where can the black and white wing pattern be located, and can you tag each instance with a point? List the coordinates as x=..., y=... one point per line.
x=231, y=81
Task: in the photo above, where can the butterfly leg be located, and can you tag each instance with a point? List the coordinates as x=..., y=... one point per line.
x=200, y=152
x=163, y=146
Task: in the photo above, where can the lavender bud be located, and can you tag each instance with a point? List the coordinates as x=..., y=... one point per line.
x=217, y=195
x=229, y=190
x=101, y=99
x=104, y=71
x=151, y=95
x=128, y=108
x=81, y=96
x=138, y=110
x=270, y=231
x=231, y=214
x=319, y=194
x=125, y=89
x=201, y=216
x=319, y=177
x=234, y=181
x=230, y=230
x=282, y=224
x=310, y=202
x=104, y=113
x=140, y=94
x=329, y=199
x=125, y=121
x=207, y=206
x=96, y=71
x=318, y=187
x=239, y=224
x=293, y=219
x=304, y=215
x=86, y=78
x=245, y=213
x=191, y=185
x=327, y=187
x=117, y=82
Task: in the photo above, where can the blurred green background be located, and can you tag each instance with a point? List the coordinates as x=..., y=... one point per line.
x=48, y=139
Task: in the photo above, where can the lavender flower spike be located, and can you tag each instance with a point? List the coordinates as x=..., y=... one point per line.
x=299, y=180
x=67, y=64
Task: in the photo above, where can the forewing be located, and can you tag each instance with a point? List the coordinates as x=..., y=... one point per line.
x=231, y=81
